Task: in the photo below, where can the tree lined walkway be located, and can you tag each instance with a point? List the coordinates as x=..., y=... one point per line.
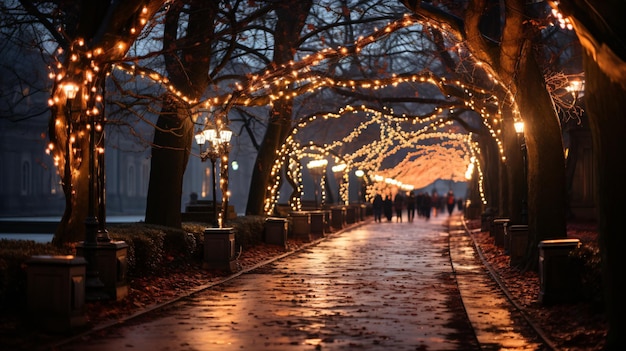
x=378, y=286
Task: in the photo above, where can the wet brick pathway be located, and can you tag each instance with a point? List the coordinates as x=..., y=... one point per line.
x=378, y=286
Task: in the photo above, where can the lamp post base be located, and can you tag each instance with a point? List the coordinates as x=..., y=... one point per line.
x=106, y=279
x=219, y=249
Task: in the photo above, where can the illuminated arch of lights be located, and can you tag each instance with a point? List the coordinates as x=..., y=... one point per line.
x=451, y=150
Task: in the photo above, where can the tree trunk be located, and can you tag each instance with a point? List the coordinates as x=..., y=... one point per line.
x=605, y=106
x=100, y=24
x=170, y=153
x=75, y=172
x=291, y=18
x=547, y=192
x=262, y=169
x=187, y=69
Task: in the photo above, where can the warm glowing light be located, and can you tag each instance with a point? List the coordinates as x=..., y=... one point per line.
x=519, y=127
x=70, y=89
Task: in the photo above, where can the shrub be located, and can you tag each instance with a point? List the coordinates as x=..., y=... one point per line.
x=587, y=260
x=179, y=245
x=145, y=247
x=248, y=230
x=149, y=247
x=196, y=230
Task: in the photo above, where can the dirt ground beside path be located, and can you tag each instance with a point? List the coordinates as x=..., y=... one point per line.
x=569, y=326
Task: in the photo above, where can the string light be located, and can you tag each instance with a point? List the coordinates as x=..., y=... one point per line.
x=295, y=78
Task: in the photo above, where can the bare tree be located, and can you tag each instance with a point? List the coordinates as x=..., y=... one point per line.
x=81, y=41
x=599, y=27
x=507, y=53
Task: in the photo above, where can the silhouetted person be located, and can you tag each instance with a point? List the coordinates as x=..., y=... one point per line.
x=419, y=204
x=398, y=204
x=410, y=206
x=377, y=207
x=388, y=208
x=450, y=202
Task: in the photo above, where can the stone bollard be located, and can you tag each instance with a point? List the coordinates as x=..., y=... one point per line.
x=498, y=228
x=112, y=267
x=56, y=292
x=559, y=280
x=219, y=249
x=317, y=223
x=350, y=214
x=518, y=243
x=301, y=225
x=338, y=217
x=276, y=229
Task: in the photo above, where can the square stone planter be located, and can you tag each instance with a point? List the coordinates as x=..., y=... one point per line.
x=112, y=266
x=317, y=223
x=498, y=228
x=276, y=229
x=338, y=215
x=517, y=235
x=56, y=292
x=558, y=277
x=300, y=225
x=219, y=249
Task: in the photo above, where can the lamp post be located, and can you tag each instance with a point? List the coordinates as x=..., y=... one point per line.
x=360, y=173
x=519, y=129
x=218, y=145
x=338, y=172
x=219, y=242
x=70, y=89
x=317, y=168
x=94, y=287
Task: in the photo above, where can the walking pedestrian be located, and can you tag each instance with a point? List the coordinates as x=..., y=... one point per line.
x=434, y=203
x=398, y=203
x=377, y=207
x=460, y=204
x=419, y=204
x=450, y=202
x=388, y=207
x=410, y=206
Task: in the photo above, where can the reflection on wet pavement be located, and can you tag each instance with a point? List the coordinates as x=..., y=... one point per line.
x=380, y=286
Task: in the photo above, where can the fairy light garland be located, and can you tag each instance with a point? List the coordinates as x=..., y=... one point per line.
x=84, y=67
x=295, y=78
x=393, y=138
